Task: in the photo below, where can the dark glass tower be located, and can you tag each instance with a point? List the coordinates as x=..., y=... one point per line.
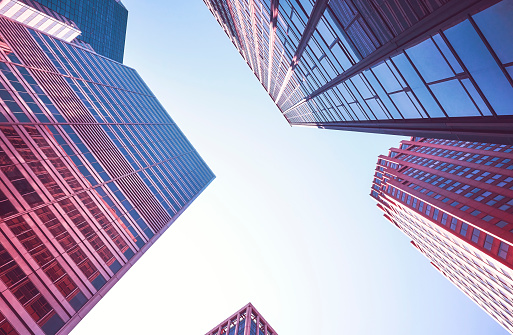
x=417, y=67
x=246, y=321
x=102, y=22
x=92, y=171
x=454, y=199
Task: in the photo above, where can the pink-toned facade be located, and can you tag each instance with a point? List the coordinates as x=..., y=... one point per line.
x=92, y=172
x=246, y=321
x=454, y=199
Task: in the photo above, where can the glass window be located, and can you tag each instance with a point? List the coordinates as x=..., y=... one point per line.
x=386, y=78
x=497, y=26
x=447, y=53
x=503, y=250
x=463, y=230
x=476, y=97
x=429, y=62
x=488, y=242
x=418, y=87
x=475, y=212
x=454, y=99
x=454, y=223
x=482, y=66
x=405, y=105
x=501, y=224
x=475, y=235
x=435, y=214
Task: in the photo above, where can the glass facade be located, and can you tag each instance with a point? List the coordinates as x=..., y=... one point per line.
x=418, y=68
x=102, y=22
x=92, y=171
x=454, y=199
x=246, y=321
x=41, y=18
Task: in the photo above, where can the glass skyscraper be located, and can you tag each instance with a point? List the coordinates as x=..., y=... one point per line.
x=454, y=199
x=102, y=22
x=92, y=171
x=246, y=321
x=428, y=68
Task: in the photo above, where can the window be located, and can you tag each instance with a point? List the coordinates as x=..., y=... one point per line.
x=428, y=210
x=444, y=219
x=488, y=218
x=501, y=224
x=435, y=214
x=454, y=223
x=503, y=250
x=482, y=196
x=464, y=228
x=488, y=242
x=504, y=207
x=475, y=235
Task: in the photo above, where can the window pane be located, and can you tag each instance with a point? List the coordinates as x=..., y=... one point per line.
x=454, y=99
x=497, y=27
x=406, y=107
x=488, y=242
x=418, y=87
x=503, y=250
x=482, y=67
x=428, y=60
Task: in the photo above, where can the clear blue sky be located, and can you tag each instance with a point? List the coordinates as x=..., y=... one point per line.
x=288, y=223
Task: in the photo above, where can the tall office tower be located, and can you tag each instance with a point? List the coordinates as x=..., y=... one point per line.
x=102, y=22
x=454, y=199
x=92, y=171
x=246, y=321
x=434, y=68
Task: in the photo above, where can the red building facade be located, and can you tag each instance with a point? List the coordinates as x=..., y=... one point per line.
x=454, y=199
x=246, y=321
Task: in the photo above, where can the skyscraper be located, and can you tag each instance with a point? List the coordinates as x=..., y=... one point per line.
x=246, y=321
x=419, y=67
x=92, y=172
x=454, y=199
x=102, y=22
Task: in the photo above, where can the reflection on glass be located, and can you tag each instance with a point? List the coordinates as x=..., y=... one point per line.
x=454, y=99
x=496, y=24
x=428, y=60
x=482, y=67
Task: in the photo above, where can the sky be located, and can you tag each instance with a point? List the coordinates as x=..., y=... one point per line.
x=288, y=223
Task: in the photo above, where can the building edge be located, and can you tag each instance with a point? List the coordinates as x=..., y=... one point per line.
x=82, y=313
